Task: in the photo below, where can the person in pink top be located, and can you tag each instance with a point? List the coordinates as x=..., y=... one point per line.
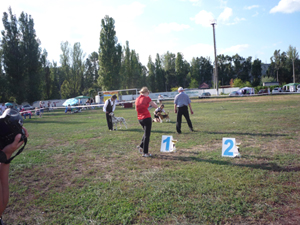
x=141, y=106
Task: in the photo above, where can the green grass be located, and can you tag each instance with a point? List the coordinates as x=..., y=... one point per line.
x=74, y=171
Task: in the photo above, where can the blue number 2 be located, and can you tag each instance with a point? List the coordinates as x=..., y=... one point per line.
x=167, y=141
x=227, y=151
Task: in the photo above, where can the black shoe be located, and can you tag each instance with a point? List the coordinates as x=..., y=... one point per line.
x=191, y=129
x=178, y=132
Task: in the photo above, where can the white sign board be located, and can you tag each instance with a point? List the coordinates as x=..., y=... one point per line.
x=229, y=148
x=166, y=143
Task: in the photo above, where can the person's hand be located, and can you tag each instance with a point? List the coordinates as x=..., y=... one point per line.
x=106, y=112
x=192, y=112
x=175, y=110
x=11, y=148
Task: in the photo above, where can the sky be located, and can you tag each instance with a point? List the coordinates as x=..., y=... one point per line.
x=253, y=28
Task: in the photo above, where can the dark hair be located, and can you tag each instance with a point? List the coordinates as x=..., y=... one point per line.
x=162, y=105
x=114, y=97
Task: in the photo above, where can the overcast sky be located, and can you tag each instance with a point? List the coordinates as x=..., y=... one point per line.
x=248, y=27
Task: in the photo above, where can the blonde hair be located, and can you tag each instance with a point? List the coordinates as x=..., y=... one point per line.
x=144, y=90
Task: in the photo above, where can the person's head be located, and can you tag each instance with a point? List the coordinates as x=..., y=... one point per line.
x=162, y=106
x=180, y=89
x=144, y=91
x=114, y=97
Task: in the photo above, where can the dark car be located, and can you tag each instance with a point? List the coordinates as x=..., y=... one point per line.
x=28, y=107
x=234, y=93
x=205, y=95
x=263, y=91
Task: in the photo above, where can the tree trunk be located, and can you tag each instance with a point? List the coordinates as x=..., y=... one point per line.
x=294, y=76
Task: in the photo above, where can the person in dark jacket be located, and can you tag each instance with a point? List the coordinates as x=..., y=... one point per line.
x=109, y=106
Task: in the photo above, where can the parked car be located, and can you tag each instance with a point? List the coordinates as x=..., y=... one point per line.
x=276, y=90
x=263, y=91
x=234, y=93
x=28, y=107
x=205, y=95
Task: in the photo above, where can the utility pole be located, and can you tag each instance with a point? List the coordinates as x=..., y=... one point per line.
x=216, y=61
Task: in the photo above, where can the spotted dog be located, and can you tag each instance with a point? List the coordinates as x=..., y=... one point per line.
x=162, y=117
x=116, y=120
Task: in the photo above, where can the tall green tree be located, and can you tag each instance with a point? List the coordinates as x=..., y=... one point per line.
x=256, y=72
x=151, y=74
x=31, y=53
x=21, y=55
x=47, y=81
x=293, y=55
x=72, y=66
x=77, y=69
x=182, y=69
x=3, y=80
x=126, y=70
x=55, y=74
x=276, y=60
x=110, y=53
x=160, y=75
x=91, y=73
x=13, y=63
x=242, y=67
x=225, y=69
x=168, y=64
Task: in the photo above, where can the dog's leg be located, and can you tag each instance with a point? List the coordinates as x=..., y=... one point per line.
x=124, y=122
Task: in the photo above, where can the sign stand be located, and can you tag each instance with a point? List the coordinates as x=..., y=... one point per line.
x=230, y=148
x=167, y=144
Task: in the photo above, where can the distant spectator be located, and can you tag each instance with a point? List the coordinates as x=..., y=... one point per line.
x=25, y=113
x=42, y=106
x=68, y=109
x=37, y=112
x=2, y=108
x=159, y=99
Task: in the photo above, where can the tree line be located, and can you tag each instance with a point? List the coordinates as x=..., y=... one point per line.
x=26, y=74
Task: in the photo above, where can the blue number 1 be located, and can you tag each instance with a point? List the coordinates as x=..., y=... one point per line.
x=167, y=141
x=227, y=151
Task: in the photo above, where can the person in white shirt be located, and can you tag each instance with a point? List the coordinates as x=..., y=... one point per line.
x=109, y=106
x=2, y=108
x=160, y=109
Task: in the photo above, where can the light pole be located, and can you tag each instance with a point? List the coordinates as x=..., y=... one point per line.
x=216, y=61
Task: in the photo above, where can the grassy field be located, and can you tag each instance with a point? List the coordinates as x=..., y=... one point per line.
x=74, y=171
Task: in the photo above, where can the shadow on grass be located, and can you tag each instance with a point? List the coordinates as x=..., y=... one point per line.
x=52, y=121
x=152, y=131
x=264, y=166
x=253, y=134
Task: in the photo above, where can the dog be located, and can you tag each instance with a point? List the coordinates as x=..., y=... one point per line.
x=162, y=117
x=116, y=120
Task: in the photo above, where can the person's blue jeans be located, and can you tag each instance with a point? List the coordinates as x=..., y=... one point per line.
x=27, y=114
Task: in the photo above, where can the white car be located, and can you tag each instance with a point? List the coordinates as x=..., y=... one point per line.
x=276, y=90
x=28, y=107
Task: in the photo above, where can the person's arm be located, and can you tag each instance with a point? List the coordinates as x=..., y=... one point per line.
x=191, y=108
x=105, y=105
x=175, y=103
x=153, y=104
x=4, y=171
x=114, y=106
